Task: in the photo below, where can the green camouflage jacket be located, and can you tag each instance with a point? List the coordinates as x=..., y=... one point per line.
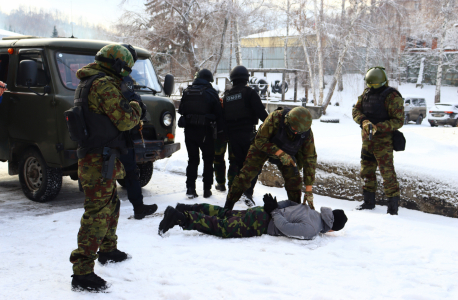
x=105, y=97
x=394, y=106
x=306, y=156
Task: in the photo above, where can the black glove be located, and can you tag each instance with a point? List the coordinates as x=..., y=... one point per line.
x=270, y=203
x=144, y=110
x=228, y=205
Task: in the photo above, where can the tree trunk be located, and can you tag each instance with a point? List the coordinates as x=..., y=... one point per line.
x=238, y=50
x=223, y=36
x=445, y=13
x=320, y=53
x=309, y=65
x=340, y=86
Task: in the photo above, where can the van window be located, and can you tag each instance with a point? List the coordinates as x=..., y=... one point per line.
x=42, y=74
x=4, y=60
x=408, y=101
x=69, y=64
x=421, y=102
x=415, y=102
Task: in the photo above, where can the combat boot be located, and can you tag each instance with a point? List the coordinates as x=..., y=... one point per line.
x=183, y=207
x=207, y=193
x=89, y=282
x=144, y=210
x=220, y=187
x=112, y=256
x=191, y=193
x=393, y=204
x=369, y=201
x=248, y=200
x=172, y=217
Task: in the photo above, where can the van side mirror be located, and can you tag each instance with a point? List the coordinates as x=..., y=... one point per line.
x=169, y=84
x=27, y=73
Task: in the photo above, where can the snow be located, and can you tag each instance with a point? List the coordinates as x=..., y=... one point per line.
x=376, y=256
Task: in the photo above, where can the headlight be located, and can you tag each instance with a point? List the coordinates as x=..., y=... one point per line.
x=167, y=119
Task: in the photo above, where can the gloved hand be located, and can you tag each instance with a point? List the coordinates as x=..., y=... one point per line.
x=286, y=159
x=270, y=203
x=366, y=124
x=308, y=197
x=144, y=110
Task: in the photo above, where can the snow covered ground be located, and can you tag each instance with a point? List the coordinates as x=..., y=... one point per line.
x=376, y=256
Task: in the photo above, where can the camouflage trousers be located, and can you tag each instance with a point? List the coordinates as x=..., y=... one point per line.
x=215, y=220
x=252, y=166
x=379, y=153
x=219, y=162
x=100, y=218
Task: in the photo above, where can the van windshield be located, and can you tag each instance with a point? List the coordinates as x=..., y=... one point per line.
x=68, y=64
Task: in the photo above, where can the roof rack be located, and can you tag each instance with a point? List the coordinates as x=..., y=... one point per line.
x=20, y=37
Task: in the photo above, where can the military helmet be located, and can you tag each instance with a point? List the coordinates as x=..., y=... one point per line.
x=132, y=51
x=116, y=58
x=205, y=74
x=376, y=77
x=298, y=120
x=239, y=72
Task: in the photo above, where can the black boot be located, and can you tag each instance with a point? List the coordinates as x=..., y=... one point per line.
x=183, y=207
x=207, y=193
x=393, y=204
x=172, y=217
x=369, y=201
x=144, y=210
x=248, y=200
x=89, y=282
x=220, y=187
x=191, y=193
x=112, y=256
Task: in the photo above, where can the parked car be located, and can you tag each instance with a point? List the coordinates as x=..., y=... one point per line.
x=34, y=138
x=414, y=109
x=443, y=114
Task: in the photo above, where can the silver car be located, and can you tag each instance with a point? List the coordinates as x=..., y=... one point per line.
x=414, y=109
x=443, y=114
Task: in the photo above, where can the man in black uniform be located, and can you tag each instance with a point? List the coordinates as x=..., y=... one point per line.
x=131, y=181
x=242, y=110
x=202, y=119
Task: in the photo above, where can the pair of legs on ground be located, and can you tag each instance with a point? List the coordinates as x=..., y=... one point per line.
x=379, y=154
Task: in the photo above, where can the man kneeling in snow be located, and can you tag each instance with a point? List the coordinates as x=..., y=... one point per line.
x=286, y=218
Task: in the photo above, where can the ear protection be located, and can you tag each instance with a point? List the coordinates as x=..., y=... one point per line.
x=116, y=64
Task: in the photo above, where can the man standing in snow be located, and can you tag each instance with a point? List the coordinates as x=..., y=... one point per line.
x=132, y=181
x=286, y=138
x=379, y=111
x=242, y=110
x=201, y=118
x=106, y=114
x=286, y=218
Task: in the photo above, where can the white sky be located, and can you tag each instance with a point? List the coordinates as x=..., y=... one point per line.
x=103, y=12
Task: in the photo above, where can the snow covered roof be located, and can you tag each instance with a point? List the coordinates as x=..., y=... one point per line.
x=280, y=32
x=6, y=33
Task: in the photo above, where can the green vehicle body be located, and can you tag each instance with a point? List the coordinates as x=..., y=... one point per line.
x=28, y=120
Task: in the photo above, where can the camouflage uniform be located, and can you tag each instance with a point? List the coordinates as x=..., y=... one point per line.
x=379, y=150
x=215, y=220
x=262, y=149
x=101, y=205
x=219, y=162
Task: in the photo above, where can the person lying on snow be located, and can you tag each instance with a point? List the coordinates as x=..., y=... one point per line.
x=285, y=218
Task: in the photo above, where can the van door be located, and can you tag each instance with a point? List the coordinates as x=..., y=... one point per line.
x=32, y=117
x=4, y=68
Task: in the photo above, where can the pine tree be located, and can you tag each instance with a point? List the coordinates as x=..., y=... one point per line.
x=54, y=33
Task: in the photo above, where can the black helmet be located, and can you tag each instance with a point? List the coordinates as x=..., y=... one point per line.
x=239, y=72
x=205, y=74
x=131, y=50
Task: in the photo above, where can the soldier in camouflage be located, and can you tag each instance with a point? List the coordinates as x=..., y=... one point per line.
x=101, y=205
x=284, y=218
x=285, y=138
x=381, y=109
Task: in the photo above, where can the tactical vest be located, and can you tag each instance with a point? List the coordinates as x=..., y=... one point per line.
x=235, y=103
x=374, y=105
x=127, y=89
x=194, y=106
x=282, y=140
x=99, y=130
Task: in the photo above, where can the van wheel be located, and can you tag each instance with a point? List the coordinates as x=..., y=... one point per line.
x=146, y=172
x=39, y=182
x=419, y=120
x=406, y=120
